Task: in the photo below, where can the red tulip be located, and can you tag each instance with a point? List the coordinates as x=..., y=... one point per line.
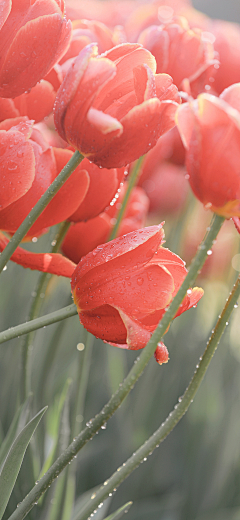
x=122, y=288
x=113, y=108
x=29, y=166
x=34, y=36
x=210, y=129
x=103, y=186
x=37, y=104
x=186, y=54
x=83, y=237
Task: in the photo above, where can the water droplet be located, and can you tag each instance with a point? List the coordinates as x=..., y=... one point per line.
x=209, y=252
x=140, y=281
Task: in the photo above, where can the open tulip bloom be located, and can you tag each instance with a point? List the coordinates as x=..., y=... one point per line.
x=113, y=108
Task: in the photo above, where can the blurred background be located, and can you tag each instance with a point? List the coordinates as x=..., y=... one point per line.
x=225, y=10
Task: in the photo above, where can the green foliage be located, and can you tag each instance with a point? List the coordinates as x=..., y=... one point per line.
x=11, y=465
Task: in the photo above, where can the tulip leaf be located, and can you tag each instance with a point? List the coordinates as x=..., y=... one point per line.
x=18, y=422
x=13, y=461
x=120, y=512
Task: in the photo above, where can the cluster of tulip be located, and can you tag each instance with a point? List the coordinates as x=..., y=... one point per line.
x=118, y=87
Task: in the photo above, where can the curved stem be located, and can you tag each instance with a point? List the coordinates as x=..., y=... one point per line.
x=38, y=323
x=39, y=207
x=39, y=294
x=131, y=183
x=108, y=410
x=173, y=418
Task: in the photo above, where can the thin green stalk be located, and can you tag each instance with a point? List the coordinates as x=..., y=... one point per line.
x=133, y=178
x=108, y=410
x=39, y=207
x=173, y=418
x=84, y=363
x=39, y=292
x=38, y=323
x=82, y=381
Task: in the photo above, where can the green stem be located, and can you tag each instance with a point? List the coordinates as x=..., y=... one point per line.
x=39, y=207
x=39, y=293
x=133, y=178
x=38, y=323
x=84, y=363
x=173, y=418
x=82, y=381
x=108, y=410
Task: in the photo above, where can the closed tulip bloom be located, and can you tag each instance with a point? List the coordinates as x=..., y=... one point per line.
x=34, y=35
x=122, y=288
x=113, y=108
x=210, y=129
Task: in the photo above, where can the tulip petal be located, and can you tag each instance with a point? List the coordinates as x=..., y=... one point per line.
x=67, y=198
x=122, y=251
x=17, y=166
x=32, y=63
x=4, y=11
x=38, y=103
x=105, y=323
x=72, y=104
x=123, y=81
x=53, y=263
x=45, y=171
x=137, y=336
x=142, y=127
x=141, y=292
x=7, y=109
x=103, y=186
x=190, y=300
x=173, y=263
x=86, y=236
x=104, y=123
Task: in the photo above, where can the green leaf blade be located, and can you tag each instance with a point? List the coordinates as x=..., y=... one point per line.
x=13, y=461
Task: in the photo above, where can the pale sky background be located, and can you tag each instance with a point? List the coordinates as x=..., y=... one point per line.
x=224, y=9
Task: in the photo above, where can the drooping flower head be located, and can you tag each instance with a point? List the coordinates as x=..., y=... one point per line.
x=122, y=288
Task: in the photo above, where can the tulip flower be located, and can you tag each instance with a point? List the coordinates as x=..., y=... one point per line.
x=210, y=130
x=103, y=185
x=83, y=237
x=122, y=288
x=34, y=36
x=28, y=167
x=113, y=108
x=36, y=105
x=186, y=54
